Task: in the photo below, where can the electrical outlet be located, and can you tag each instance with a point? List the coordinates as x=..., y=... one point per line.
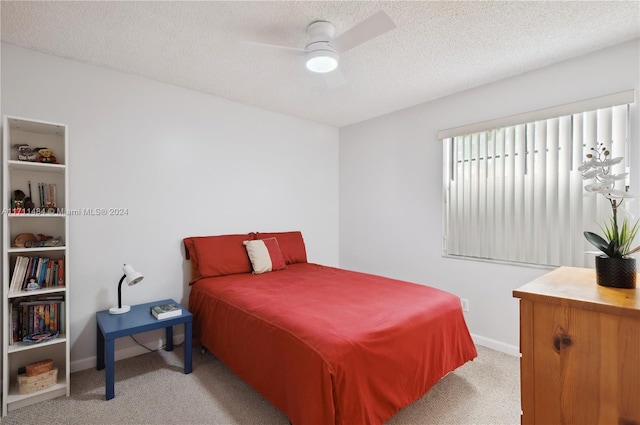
x=465, y=304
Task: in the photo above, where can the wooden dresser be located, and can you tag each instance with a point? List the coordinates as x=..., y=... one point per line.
x=580, y=346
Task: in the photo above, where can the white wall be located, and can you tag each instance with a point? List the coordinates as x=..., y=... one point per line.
x=391, y=184
x=183, y=163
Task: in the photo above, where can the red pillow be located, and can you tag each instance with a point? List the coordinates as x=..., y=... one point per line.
x=217, y=255
x=291, y=245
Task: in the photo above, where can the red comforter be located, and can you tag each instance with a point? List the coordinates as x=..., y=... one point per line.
x=330, y=346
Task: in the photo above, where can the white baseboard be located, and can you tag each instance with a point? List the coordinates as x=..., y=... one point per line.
x=496, y=345
x=124, y=353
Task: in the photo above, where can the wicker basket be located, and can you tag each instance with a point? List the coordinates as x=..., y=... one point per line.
x=31, y=384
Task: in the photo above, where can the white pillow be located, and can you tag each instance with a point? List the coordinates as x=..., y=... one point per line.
x=265, y=255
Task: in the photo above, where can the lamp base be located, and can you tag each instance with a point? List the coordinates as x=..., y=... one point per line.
x=119, y=310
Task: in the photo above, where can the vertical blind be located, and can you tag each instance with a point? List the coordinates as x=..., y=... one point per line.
x=514, y=193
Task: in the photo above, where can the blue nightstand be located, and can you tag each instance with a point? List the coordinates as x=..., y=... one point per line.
x=139, y=319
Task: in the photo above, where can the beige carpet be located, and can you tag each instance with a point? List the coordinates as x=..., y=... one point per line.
x=152, y=389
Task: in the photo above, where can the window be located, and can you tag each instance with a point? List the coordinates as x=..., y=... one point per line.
x=512, y=189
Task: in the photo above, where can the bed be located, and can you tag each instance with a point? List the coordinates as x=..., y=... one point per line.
x=322, y=344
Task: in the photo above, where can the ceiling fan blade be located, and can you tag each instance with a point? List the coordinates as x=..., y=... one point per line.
x=375, y=25
x=334, y=79
x=299, y=52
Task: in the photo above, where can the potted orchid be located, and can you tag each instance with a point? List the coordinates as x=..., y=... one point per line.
x=615, y=267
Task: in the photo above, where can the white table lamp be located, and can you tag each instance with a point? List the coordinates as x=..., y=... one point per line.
x=131, y=277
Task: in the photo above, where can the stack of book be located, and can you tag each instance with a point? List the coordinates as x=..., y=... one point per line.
x=36, y=272
x=47, y=194
x=164, y=311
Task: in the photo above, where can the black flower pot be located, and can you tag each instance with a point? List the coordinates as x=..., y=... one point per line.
x=616, y=272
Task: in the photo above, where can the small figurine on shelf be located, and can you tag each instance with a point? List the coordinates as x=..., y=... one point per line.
x=32, y=284
x=25, y=153
x=17, y=203
x=46, y=156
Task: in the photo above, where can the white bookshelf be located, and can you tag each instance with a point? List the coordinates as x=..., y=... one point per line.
x=16, y=175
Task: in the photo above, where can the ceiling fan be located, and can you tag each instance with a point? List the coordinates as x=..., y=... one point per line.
x=322, y=52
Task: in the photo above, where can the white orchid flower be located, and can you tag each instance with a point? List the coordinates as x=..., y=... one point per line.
x=586, y=166
x=611, y=178
x=616, y=194
x=596, y=187
x=609, y=162
x=590, y=174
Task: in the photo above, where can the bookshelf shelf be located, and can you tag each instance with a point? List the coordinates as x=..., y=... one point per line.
x=37, y=250
x=20, y=346
x=43, y=291
x=44, y=309
x=15, y=398
x=36, y=166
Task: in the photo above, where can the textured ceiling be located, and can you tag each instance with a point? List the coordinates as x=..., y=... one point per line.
x=438, y=47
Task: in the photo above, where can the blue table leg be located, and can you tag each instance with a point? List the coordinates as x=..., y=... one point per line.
x=169, y=332
x=110, y=366
x=99, y=348
x=187, y=347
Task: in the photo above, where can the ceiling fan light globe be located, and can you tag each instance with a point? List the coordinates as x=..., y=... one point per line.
x=321, y=61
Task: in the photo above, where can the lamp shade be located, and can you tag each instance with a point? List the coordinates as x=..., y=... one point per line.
x=131, y=277
x=321, y=61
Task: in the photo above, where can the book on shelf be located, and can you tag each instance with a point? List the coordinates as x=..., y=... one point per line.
x=18, y=271
x=59, y=273
x=164, y=311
